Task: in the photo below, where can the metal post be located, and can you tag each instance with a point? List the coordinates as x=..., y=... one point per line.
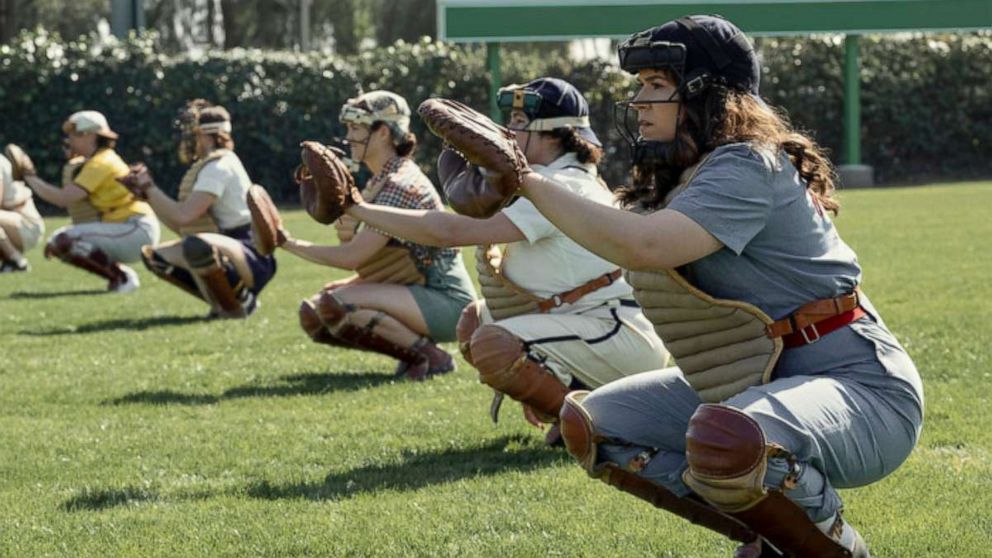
x=495, y=79
x=305, y=25
x=126, y=15
x=852, y=100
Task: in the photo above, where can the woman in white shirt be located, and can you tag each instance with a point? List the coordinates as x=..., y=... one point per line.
x=21, y=227
x=554, y=317
x=216, y=259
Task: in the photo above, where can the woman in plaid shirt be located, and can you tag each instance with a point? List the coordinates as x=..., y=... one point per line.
x=405, y=296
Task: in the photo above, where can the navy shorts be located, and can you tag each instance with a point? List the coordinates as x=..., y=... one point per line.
x=263, y=268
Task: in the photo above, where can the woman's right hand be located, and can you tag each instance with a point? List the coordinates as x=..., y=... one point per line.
x=139, y=181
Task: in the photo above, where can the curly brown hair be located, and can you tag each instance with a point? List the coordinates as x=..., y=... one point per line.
x=723, y=116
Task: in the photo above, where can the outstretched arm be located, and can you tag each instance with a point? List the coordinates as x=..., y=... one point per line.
x=345, y=256
x=175, y=213
x=660, y=240
x=53, y=194
x=437, y=228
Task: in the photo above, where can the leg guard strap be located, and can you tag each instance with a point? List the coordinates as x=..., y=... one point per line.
x=503, y=365
x=169, y=273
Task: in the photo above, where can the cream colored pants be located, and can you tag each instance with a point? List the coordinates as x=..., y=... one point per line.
x=595, y=347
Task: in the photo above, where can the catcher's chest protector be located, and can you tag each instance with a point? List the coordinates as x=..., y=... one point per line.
x=81, y=211
x=205, y=222
x=504, y=298
x=720, y=345
x=392, y=264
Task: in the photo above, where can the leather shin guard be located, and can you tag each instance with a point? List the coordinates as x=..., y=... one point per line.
x=169, y=273
x=582, y=440
x=365, y=338
x=84, y=256
x=467, y=324
x=334, y=316
x=728, y=456
x=503, y=365
x=206, y=264
x=311, y=324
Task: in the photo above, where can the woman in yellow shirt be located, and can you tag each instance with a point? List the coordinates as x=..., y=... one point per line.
x=126, y=224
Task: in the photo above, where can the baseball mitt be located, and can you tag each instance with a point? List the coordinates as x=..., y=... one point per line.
x=138, y=181
x=266, y=224
x=326, y=186
x=19, y=160
x=482, y=143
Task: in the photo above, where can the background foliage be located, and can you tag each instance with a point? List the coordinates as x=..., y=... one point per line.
x=927, y=112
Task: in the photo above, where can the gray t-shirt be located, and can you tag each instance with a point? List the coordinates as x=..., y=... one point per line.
x=781, y=250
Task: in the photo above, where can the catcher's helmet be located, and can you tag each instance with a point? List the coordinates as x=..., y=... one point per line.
x=700, y=51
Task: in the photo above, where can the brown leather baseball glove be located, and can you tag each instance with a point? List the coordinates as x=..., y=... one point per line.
x=138, y=181
x=482, y=143
x=266, y=223
x=326, y=186
x=19, y=160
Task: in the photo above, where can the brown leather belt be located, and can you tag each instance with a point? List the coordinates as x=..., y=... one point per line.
x=572, y=296
x=814, y=320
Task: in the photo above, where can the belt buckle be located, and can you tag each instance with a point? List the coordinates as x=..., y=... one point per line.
x=556, y=299
x=806, y=336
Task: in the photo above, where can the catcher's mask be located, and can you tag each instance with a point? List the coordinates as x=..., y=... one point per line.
x=375, y=107
x=550, y=104
x=700, y=52
x=188, y=123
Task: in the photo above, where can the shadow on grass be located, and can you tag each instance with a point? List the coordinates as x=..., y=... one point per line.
x=32, y=295
x=508, y=453
x=297, y=384
x=95, y=500
x=128, y=324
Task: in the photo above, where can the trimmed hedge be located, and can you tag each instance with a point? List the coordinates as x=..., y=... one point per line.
x=927, y=110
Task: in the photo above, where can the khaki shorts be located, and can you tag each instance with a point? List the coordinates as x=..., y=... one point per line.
x=32, y=230
x=595, y=347
x=30, y=226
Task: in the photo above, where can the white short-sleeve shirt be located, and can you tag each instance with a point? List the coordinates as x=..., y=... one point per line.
x=227, y=179
x=550, y=263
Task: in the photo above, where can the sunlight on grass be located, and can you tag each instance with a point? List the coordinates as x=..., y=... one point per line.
x=131, y=426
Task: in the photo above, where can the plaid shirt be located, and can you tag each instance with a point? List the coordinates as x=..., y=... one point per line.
x=402, y=184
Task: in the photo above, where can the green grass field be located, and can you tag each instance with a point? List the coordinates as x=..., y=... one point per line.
x=130, y=426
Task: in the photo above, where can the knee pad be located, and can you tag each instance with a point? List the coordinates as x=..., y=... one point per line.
x=578, y=431
x=309, y=320
x=727, y=456
x=59, y=246
x=468, y=323
x=504, y=366
x=496, y=353
x=330, y=310
x=225, y=292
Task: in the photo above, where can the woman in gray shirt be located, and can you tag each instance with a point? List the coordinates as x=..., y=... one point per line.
x=789, y=384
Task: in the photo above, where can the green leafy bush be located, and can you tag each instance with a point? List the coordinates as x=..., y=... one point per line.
x=927, y=111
